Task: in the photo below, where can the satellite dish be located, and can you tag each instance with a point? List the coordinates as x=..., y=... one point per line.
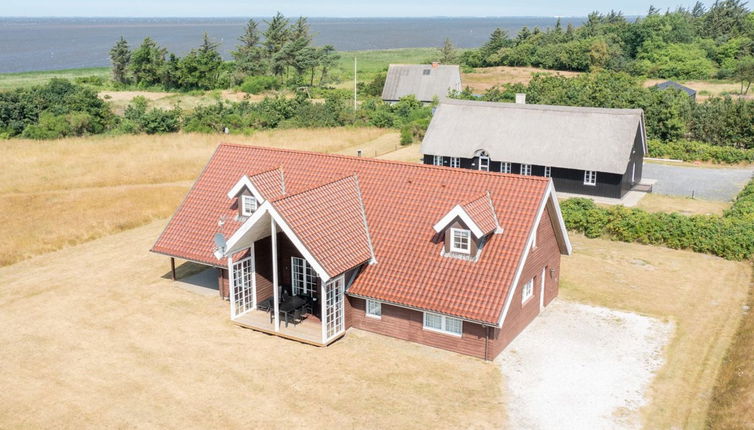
x=220, y=245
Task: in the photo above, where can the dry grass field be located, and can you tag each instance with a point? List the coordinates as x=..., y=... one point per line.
x=482, y=79
x=59, y=193
x=94, y=336
x=166, y=100
x=683, y=205
x=701, y=294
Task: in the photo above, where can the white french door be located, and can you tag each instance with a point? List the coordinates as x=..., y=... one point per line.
x=334, y=312
x=303, y=277
x=244, y=294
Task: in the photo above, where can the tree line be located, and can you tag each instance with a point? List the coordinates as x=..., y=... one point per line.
x=283, y=51
x=686, y=43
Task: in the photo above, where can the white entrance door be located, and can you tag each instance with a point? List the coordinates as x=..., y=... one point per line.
x=244, y=293
x=334, y=307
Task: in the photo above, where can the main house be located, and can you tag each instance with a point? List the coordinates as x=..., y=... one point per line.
x=591, y=151
x=424, y=81
x=308, y=245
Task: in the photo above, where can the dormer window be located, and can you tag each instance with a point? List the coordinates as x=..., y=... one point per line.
x=248, y=204
x=460, y=240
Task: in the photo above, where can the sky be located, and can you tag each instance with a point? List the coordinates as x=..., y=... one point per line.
x=322, y=8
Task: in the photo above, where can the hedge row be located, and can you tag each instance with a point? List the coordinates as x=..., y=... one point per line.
x=730, y=236
x=697, y=151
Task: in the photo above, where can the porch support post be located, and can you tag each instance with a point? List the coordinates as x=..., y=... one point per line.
x=323, y=304
x=231, y=288
x=172, y=268
x=275, y=292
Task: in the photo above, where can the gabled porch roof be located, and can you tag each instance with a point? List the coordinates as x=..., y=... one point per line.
x=326, y=223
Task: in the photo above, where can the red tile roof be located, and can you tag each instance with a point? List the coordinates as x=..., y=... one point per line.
x=482, y=212
x=330, y=222
x=401, y=201
x=270, y=183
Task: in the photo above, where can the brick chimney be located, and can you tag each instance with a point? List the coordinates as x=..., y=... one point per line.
x=435, y=64
x=520, y=98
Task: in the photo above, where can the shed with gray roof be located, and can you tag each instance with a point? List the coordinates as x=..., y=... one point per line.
x=592, y=151
x=675, y=85
x=425, y=81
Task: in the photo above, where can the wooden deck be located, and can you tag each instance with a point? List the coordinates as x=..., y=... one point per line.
x=307, y=331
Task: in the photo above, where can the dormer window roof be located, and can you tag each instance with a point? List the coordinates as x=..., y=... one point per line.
x=477, y=214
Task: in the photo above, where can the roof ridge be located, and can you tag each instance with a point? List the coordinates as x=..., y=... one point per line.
x=535, y=106
x=468, y=202
x=323, y=184
x=392, y=162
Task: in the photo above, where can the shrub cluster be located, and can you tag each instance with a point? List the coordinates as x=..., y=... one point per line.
x=730, y=236
x=687, y=150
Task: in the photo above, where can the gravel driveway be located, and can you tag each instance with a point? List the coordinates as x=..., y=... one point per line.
x=706, y=183
x=582, y=367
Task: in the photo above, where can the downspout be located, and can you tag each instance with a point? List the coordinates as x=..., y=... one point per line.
x=486, y=340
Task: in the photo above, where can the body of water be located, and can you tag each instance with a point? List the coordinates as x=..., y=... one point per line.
x=28, y=44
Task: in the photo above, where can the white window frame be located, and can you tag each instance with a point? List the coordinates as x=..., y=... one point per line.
x=548, y=172
x=303, y=277
x=527, y=291
x=590, y=177
x=248, y=204
x=445, y=323
x=462, y=232
x=506, y=167
x=437, y=160
x=484, y=163
x=455, y=162
x=525, y=169
x=374, y=309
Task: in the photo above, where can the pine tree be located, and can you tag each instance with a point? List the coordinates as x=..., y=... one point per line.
x=275, y=37
x=698, y=10
x=120, y=56
x=448, y=54
x=328, y=58
x=249, y=55
x=147, y=63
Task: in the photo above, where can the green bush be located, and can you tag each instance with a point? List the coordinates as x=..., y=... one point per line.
x=258, y=84
x=730, y=236
x=406, y=136
x=698, y=151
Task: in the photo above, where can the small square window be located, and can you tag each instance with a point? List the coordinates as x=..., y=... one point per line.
x=505, y=167
x=460, y=240
x=548, y=172
x=484, y=163
x=374, y=309
x=590, y=177
x=526, y=169
x=248, y=205
x=455, y=162
x=437, y=160
x=426, y=72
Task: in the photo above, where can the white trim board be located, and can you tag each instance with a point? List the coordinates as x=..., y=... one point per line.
x=458, y=212
x=245, y=182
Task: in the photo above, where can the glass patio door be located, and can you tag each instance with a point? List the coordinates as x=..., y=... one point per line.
x=334, y=307
x=244, y=296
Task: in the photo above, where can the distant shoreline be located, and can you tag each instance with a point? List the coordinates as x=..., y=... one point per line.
x=44, y=43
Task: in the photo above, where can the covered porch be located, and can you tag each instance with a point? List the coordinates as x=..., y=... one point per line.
x=275, y=286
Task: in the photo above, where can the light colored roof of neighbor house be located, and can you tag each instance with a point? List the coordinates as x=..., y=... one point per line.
x=400, y=201
x=673, y=84
x=422, y=80
x=557, y=136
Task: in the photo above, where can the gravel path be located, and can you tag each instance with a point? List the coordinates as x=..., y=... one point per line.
x=582, y=367
x=706, y=183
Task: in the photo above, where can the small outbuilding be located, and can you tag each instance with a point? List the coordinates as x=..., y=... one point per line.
x=675, y=85
x=592, y=151
x=424, y=81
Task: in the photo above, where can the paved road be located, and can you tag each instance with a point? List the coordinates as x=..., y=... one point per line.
x=705, y=183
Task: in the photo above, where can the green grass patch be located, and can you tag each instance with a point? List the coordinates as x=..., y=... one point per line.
x=28, y=79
